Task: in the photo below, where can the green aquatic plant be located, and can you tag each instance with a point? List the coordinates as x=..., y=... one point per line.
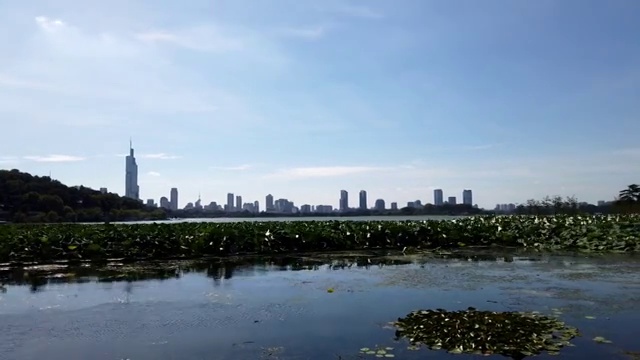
x=39, y=243
x=378, y=351
x=514, y=334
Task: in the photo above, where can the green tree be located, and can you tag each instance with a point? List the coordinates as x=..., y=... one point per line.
x=630, y=194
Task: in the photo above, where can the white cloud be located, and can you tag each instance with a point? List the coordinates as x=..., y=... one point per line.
x=48, y=24
x=55, y=158
x=203, y=38
x=153, y=173
x=232, y=168
x=9, y=160
x=308, y=33
x=158, y=156
x=323, y=171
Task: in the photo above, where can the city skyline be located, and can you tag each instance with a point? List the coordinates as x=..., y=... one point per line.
x=511, y=99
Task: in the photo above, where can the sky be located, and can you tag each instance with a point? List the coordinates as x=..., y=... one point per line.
x=301, y=99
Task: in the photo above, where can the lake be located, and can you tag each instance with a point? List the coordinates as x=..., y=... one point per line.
x=307, y=218
x=313, y=307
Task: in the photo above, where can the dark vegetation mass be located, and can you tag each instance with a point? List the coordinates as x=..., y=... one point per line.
x=41, y=243
x=27, y=198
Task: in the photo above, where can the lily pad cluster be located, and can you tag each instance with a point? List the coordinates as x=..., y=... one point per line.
x=513, y=334
x=28, y=243
x=379, y=352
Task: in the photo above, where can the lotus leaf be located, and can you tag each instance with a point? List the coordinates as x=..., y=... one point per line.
x=514, y=334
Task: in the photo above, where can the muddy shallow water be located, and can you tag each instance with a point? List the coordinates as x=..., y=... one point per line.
x=317, y=307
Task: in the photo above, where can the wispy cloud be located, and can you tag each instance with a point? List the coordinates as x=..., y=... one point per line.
x=358, y=11
x=324, y=171
x=8, y=160
x=233, y=168
x=153, y=173
x=307, y=33
x=55, y=158
x=48, y=24
x=159, y=156
x=204, y=38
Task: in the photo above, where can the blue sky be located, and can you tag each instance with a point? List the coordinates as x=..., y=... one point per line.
x=512, y=99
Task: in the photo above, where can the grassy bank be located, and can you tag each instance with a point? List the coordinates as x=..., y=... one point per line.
x=19, y=243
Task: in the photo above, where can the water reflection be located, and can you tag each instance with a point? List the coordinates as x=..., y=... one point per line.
x=38, y=276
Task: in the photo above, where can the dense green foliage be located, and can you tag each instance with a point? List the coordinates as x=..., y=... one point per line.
x=159, y=241
x=27, y=198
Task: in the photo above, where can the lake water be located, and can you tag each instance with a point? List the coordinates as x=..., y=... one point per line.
x=280, y=308
x=309, y=218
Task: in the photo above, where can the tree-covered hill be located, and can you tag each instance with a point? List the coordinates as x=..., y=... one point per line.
x=28, y=198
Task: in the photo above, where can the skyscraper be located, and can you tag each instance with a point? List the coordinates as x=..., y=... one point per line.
x=438, y=197
x=131, y=188
x=467, y=197
x=174, y=199
x=363, y=200
x=452, y=200
x=230, y=202
x=269, y=203
x=238, y=202
x=344, y=200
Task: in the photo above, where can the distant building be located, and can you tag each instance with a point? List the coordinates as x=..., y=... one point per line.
x=229, y=206
x=284, y=206
x=256, y=206
x=467, y=197
x=103, y=190
x=324, y=209
x=151, y=203
x=452, y=200
x=174, y=199
x=305, y=209
x=379, y=205
x=131, y=188
x=269, y=203
x=239, y=203
x=438, y=197
x=394, y=206
x=164, y=203
x=344, y=200
x=363, y=200
x=602, y=203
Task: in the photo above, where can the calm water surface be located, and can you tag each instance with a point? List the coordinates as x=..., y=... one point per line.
x=279, y=308
x=308, y=218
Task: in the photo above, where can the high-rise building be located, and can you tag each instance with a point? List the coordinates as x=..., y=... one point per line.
x=394, y=206
x=438, y=197
x=269, y=203
x=452, y=200
x=344, y=200
x=174, y=199
x=256, y=206
x=379, y=205
x=131, y=188
x=230, y=202
x=164, y=203
x=238, y=202
x=363, y=200
x=467, y=197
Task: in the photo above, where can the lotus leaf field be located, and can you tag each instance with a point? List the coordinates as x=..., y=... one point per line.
x=513, y=334
x=42, y=243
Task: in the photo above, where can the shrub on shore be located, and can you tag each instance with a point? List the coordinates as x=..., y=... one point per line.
x=20, y=243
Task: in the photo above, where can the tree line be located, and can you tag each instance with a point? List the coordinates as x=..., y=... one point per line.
x=28, y=198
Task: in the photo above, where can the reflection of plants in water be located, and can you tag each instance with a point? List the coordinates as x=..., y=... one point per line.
x=514, y=334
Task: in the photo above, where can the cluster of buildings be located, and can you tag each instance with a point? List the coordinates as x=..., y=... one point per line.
x=235, y=204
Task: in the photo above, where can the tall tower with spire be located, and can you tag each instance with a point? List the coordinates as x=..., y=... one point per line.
x=131, y=188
